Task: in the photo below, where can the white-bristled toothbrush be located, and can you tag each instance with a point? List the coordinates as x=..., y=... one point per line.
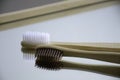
x=32, y=39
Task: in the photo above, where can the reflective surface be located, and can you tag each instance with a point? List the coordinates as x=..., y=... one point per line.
x=102, y=25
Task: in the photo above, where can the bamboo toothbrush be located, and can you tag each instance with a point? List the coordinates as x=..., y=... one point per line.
x=50, y=64
x=32, y=39
x=57, y=52
x=111, y=70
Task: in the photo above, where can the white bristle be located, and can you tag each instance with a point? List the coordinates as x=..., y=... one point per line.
x=36, y=38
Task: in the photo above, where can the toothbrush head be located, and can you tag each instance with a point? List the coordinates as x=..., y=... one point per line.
x=48, y=65
x=48, y=54
x=36, y=38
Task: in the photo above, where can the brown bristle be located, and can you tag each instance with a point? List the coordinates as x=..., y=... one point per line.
x=49, y=65
x=49, y=54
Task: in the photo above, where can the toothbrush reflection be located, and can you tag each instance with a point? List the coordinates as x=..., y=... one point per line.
x=28, y=53
x=40, y=62
x=56, y=65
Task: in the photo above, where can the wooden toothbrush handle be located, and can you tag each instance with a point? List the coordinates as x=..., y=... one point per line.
x=98, y=55
x=112, y=56
x=111, y=70
x=111, y=47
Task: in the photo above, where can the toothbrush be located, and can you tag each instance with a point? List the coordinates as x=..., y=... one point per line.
x=42, y=62
x=111, y=70
x=39, y=38
x=57, y=52
x=32, y=39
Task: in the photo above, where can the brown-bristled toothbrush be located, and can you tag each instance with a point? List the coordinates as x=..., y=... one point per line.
x=50, y=63
x=57, y=52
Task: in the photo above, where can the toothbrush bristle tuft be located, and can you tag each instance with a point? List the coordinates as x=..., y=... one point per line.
x=36, y=38
x=49, y=54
